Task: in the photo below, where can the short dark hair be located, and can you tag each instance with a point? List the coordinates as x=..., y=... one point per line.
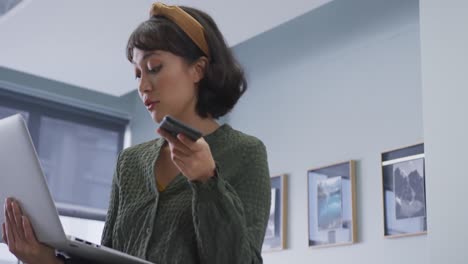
x=224, y=81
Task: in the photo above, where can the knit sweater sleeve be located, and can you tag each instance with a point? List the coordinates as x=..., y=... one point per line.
x=230, y=220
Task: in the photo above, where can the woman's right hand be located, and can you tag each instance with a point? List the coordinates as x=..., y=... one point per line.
x=19, y=235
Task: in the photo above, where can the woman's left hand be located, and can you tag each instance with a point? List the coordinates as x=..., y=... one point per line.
x=192, y=158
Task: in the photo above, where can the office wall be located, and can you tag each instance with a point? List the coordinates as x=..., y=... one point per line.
x=339, y=83
x=444, y=43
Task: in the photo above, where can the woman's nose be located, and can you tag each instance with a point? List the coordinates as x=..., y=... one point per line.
x=144, y=85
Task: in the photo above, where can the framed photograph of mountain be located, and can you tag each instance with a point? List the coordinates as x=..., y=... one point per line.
x=275, y=236
x=404, y=192
x=331, y=205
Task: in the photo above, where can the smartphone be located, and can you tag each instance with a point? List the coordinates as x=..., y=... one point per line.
x=174, y=127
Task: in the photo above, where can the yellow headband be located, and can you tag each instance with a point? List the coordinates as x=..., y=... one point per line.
x=185, y=21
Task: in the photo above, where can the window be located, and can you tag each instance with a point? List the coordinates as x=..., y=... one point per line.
x=77, y=149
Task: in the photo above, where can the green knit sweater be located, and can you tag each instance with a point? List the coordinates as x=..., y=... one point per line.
x=221, y=221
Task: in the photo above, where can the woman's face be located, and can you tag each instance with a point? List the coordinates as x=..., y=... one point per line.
x=167, y=85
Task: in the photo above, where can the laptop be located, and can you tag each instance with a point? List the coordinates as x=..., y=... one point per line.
x=22, y=178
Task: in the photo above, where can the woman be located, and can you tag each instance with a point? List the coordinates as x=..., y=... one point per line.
x=174, y=200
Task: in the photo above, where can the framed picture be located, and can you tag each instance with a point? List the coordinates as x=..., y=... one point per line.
x=331, y=205
x=275, y=236
x=404, y=191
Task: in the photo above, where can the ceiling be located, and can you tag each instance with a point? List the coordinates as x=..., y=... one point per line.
x=83, y=42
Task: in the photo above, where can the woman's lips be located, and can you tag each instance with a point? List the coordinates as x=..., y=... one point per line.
x=151, y=105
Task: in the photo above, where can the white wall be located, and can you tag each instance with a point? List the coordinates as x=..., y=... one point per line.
x=340, y=83
x=444, y=41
